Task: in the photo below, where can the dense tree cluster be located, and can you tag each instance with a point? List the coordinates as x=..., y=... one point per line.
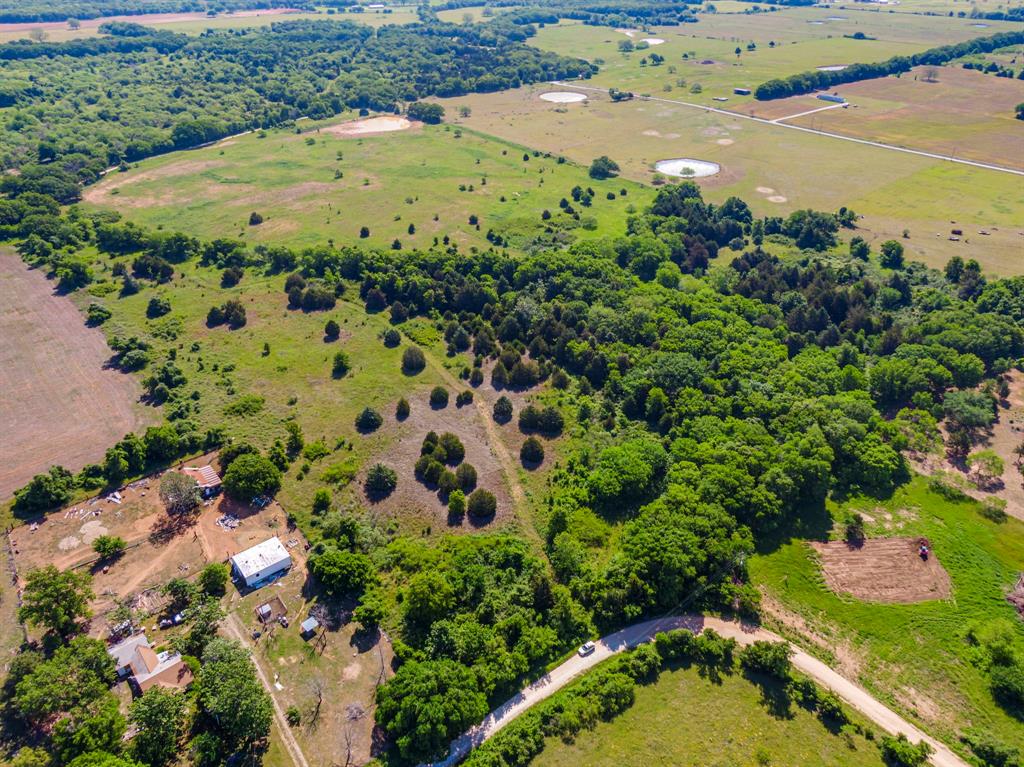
x=806, y=82
x=175, y=91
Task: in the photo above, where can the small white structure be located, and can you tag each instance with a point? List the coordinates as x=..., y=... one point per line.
x=262, y=562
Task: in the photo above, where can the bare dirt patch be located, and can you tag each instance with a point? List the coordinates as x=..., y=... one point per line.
x=370, y=126
x=101, y=193
x=60, y=404
x=883, y=570
x=412, y=498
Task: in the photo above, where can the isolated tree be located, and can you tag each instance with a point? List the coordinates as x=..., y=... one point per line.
x=381, y=480
x=342, y=571
x=213, y=579
x=986, y=464
x=332, y=330
x=391, y=338
x=251, y=475
x=456, y=503
x=179, y=493
x=603, y=167
x=439, y=397
x=503, y=410
x=229, y=692
x=158, y=717
x=481, y=503
x=413, y=360
x=109, y=546
x=532, y=451
x=369, y=420
x=56, y=600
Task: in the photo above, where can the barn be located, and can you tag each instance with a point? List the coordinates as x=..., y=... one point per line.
x=261, y=563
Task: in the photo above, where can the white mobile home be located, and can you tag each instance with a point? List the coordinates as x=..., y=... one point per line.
x=262, y=562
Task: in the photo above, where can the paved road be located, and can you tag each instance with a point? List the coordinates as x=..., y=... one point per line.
x=763, y=121
x=628, y=638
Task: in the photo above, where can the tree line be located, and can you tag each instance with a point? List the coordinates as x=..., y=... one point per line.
x=15, y=11
x=807, y=82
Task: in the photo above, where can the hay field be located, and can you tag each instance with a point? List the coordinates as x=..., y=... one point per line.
x=59, y=402
x=428, y=177
x=965, y=114
x=778, y=170
x=804, y=39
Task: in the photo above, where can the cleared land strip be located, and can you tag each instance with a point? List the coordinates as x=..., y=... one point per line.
x=628, y=638
x=840, y=136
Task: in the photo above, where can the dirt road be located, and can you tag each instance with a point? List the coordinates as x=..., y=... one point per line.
x=233, y=626
x=631, y=637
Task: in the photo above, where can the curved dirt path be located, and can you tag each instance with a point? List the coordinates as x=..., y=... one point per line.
x=853, y=694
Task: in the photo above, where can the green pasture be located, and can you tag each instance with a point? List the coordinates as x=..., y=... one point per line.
x=895, y=191
x=916, y=656
x=474, y=12
x=292, y=376
x=686, y=718
x=431, y=177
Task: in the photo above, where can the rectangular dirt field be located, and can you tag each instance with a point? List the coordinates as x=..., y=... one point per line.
x=60, y=404
x=883, y=570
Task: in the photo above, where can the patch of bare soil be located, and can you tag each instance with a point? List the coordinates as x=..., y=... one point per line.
x=847, y=661
x=60, y=403
x=883, y=570
x=414, y=498
x=101, y=193
x=371, y=126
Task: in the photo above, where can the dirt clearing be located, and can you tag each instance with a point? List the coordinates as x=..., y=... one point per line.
x=883, y=570
x=60, y=403
x=370, y=126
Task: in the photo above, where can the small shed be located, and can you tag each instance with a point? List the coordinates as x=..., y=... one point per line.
x=262, y=563
x=308, y=627
x=206, y=477
x=835, y=98
x=741, y=91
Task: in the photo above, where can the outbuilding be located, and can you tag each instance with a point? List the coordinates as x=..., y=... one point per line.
x=262, y=563
x=206, y=477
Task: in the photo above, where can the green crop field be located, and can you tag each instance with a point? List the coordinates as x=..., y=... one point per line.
x=430, y=177
x=687, y=719
x=914, y=656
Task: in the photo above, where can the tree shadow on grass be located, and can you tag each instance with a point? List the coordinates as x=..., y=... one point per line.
x=170, y=526
x=774, y=695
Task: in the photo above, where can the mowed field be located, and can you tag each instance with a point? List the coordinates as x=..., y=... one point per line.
x=964, y=114
x=59, y=404
x=687, y=719
x=777, y=170
x=431, y=177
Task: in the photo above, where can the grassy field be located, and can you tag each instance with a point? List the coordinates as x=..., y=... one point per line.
x=685, y=719
x=776, y=170
x=431, y=177
x=913, y=656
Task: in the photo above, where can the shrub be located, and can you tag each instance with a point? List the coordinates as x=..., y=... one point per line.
x=482, y=503
x=392, y=338
x=1008, y=685
x=109, y=546
x=341, y=365
x=321, y=501
x=454, y=450
x=503, y=410
x=771, y=658
x=476, y=377
x=402, y=409
x=413, y=360
x=466, y=476
x=381, y=480
x=447, y=482
x=457, y=502
x=293, y=715
x=900, y=752
x=369, y=420
x=158, y=306
x=255, y=219
x=532, y=451
x=332, y=330
x=97, y=314
x=439, y=397
x=463, y=398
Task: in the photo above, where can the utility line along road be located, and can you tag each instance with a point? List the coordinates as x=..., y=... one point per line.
x=628, y=638
x=776, y=123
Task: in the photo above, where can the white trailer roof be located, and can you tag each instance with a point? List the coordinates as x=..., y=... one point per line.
x=261, y=556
